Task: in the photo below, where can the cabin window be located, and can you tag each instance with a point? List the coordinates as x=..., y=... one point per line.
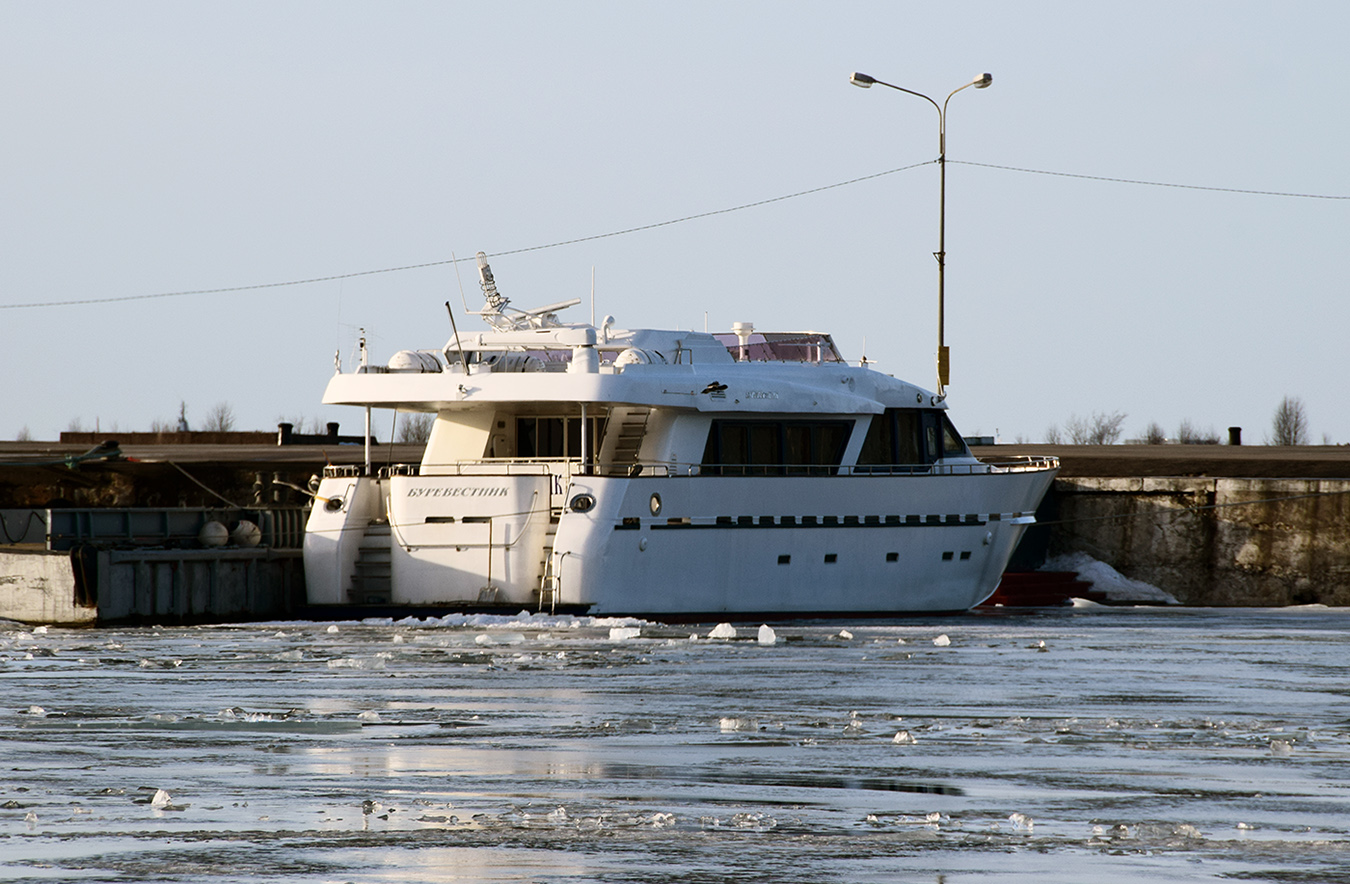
x=763, y=448
x=952, y=443
x=909, y=437
x=555, y=436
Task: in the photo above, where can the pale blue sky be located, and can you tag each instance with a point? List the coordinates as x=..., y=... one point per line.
x=154, y=147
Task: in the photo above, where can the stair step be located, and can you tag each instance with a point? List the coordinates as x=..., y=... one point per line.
x=372, y=578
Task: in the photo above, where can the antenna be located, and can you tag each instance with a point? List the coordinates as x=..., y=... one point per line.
x=462, y=361
x=592, y=296
x=460, y=280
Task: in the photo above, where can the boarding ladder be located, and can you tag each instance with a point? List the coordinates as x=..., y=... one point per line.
x=372, y=580
x=547, y=594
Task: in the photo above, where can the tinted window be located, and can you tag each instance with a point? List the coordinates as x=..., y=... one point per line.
x=893, y=438
x=775, y=447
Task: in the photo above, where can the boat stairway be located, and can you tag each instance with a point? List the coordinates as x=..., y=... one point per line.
x=632, y=427
x=372, y=582
x=547, y=593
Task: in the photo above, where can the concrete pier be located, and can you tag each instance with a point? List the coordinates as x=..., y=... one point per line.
x=1211, y=525
x=90, y=539
x=1214, y=541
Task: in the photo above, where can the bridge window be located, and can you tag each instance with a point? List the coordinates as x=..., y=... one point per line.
x=768, y=447
x=910, y=436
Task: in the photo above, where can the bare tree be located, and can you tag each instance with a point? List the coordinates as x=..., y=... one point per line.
x=1052, y=435
x=301, y=424
x=24, y=435
x=416, y=427
x=220, y=419
x=75, y=426
x=1154, y=434
x=1077, y=429
x=1189, y=434
x=1290, y=424
x=1099, y=429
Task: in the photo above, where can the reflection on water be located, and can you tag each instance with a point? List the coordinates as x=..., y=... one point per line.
x=1118, y=744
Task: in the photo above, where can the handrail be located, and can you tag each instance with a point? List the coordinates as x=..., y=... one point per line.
x=667, y=469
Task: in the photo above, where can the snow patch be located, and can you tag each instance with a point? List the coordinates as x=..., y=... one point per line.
x=1105, y=579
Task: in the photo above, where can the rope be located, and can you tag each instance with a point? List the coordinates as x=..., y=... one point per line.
x=4, y=526
x=196, y=482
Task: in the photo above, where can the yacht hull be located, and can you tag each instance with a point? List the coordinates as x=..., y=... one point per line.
x=674, y=547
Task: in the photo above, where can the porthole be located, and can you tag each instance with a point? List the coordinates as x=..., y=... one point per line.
x=655, y=504
x=333, y=504
x=582, y=503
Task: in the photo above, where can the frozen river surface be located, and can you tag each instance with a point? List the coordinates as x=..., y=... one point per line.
x=1085, y=744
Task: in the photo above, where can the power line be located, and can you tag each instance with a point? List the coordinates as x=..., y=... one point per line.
x=552, y=245
x=1306, y=196
x=667, y=223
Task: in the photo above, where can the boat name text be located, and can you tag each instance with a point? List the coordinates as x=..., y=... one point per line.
x=761, y=394
x=499, y=491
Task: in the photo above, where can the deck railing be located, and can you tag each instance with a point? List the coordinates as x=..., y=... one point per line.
x=574, y=467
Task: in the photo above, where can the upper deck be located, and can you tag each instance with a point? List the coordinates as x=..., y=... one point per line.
x=745, y=371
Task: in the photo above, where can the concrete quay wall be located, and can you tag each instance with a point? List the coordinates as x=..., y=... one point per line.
x=1212, y=541
x=104, y=586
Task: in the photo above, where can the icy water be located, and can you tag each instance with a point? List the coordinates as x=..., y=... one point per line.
x=1085, y=744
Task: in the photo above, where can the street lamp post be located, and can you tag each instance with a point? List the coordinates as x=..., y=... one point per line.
x=980, y=82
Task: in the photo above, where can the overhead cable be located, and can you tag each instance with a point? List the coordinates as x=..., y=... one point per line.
x=667, y=223
x=552, y=245
x=1305, y=196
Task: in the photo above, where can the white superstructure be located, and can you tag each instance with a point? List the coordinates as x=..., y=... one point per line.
x=662, y=473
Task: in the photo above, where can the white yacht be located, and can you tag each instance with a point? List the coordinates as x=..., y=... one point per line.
x=671, y=474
